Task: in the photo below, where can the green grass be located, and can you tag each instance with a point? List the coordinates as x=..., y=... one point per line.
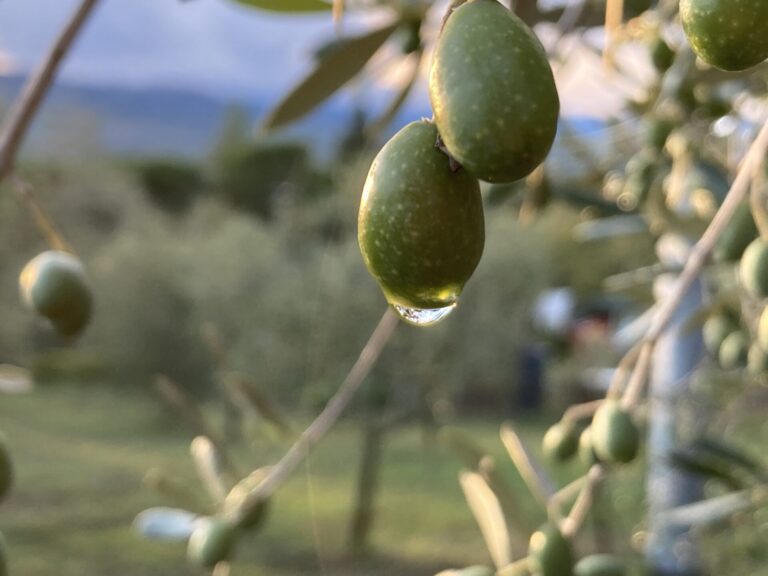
x=81, y=453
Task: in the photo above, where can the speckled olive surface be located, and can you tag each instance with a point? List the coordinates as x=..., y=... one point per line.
x=728, y=34
x=420, y=225
x=493, y=92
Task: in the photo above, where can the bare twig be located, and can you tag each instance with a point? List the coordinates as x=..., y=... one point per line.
x=24, y=109
x=584, y=501
x=42, y=220
x=580, y=411
x=177, y=399
x=327, y=418
x=541, y=486
x=614, y=14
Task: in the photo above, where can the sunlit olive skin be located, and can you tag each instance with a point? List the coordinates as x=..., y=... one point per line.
x=561, y=442
x=729, y=34
x=600, y=565
x=493, y=93
x=615, y=437
x=549, y=553
x=6, y=469
x=54, y=285
x=734, y=351
x=420, y=227
x=212, y=542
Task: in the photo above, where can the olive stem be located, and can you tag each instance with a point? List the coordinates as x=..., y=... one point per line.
x=555, y=504
x=28, y=102
x=540, y=485
x=758, y=200
x=581, y=411
x=583, y=503
x=323, y=423
x=42, y=220
x=517, y=568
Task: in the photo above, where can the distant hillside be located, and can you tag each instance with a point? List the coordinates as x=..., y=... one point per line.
x=82, y=120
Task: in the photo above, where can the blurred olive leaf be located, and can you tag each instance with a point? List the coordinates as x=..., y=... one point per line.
x=712, y=511
x=487, y=511
x=732, y=455
x=331, y=72
x=694, y=462
x=287, y=5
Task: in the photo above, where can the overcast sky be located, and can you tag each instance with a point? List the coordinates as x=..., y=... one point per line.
x=215, y=46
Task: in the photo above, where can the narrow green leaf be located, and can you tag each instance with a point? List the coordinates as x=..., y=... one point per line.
x=330, y=73
x=694, y=462
x=287, y=5
x=487, y=511
x=732, y=454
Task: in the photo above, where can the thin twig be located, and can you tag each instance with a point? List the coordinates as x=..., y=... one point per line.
x=583, y=503
x=327, y=418
x=581, y=411
x=541, y=486
x=24, y=109
x=42, y=220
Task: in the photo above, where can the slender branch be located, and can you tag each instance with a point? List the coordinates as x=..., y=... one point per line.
x=327, y=418
x=24, y=109
x=581, y=411
x=42, y=220
x=584, y=501
x=539, y=483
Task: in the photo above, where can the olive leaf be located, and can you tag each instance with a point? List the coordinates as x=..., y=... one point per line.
x=710, y=511
x=287, y=5
x=694, y=462
x=488, y=513
x=331, y=72
x=732, y=455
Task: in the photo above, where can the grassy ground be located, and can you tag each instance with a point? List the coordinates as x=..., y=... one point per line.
x=81, y=454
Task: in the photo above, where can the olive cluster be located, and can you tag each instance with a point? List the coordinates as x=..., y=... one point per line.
x=420, y=226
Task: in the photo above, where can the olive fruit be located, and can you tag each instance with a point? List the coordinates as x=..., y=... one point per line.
x=716, y=329
x=614, y=435
x=549, y=553
x=255, y=516
x=53, y=284
x=600, y=565
x=662, y=55
x=762, y=329
x=493, y=92
x=6, y=469
x=757, y=359
x=753, y=268
x=586, y=448
x=561, y=442
x=212, y=541
x=420, y=226
x=734, y=351
x=738, y=234
x=729, y=34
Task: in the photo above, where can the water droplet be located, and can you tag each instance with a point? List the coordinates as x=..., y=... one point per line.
x=423, y=316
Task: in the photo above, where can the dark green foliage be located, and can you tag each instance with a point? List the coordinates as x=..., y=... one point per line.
x=172, y=185
x=254, y=177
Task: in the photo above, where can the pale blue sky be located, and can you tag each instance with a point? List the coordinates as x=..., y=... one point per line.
x=211, y=45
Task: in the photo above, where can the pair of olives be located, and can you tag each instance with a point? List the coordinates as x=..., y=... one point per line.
x=613, y=437
x=421, y=227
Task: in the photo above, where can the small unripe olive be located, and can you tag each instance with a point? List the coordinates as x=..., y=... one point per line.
x=213, y=541
x=54, y=284
x=560, y=442
x=586, y=448
x=734, y=351
x=600, y=565
x=550, y=553
x=614, y=435
x=757, y=361
x=716, y=329
x=753, y=268
x=240, y=492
